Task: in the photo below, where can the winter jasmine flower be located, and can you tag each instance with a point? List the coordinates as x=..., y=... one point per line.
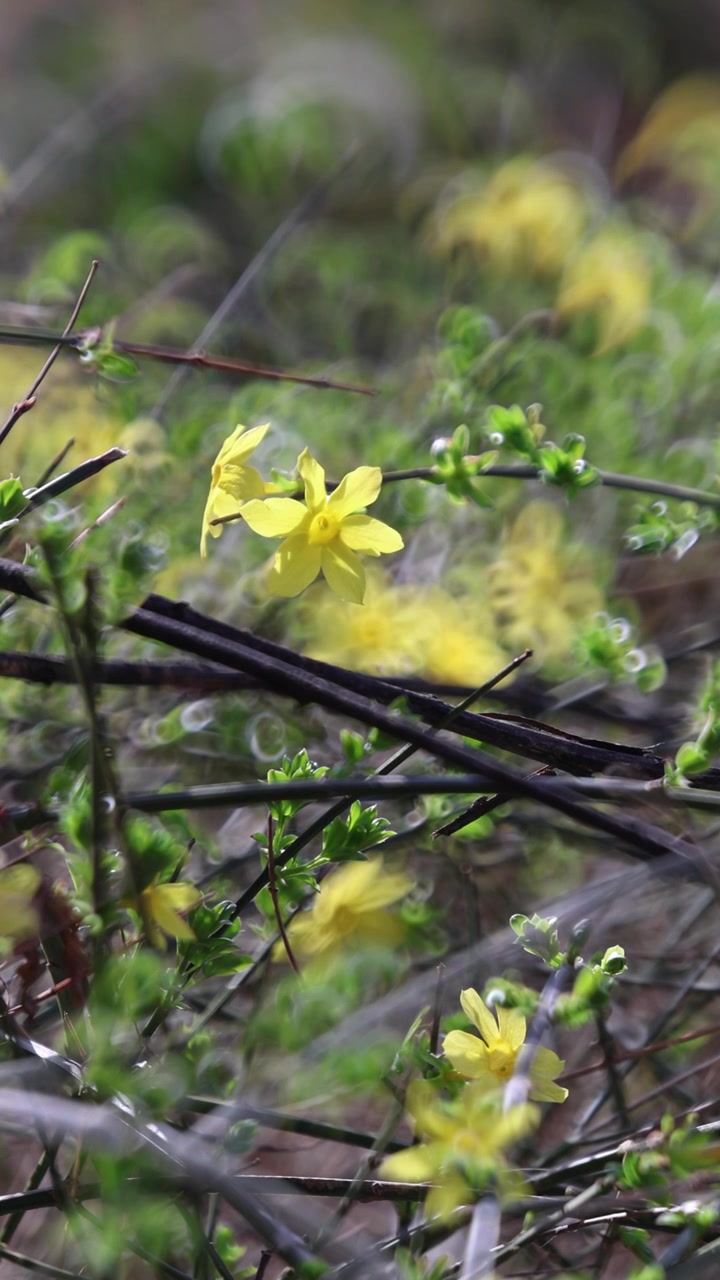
x=524, y=219
x=461, y=1148
x=610, y=278
x=490, y=1059
x=541, y=590
x=233, y=482
x=322, y=534
x=159, y=907
x=350, y=906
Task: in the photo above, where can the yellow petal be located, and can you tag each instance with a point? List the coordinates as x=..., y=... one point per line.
x=343, y=572
x=451, y=1193
x=275, y=517
x=213, y=531
x=173, y=924
x=479, y=1014
x=306, y=939
x=181, y=897
x=431, y=1120
x=416, y=1164
x=351, y=882
x=387, y=888
x=363, y=533
x=380, y=927
x=154, y=935
x=545, y=1066
x=240, y=483
x=548, y=1091
x=356, y=490
x=313, y=477
x=160, y=905
x=241, y=443
x=511, y=1126
x=296, y=564
x=468, y=1055
x=512, y=1026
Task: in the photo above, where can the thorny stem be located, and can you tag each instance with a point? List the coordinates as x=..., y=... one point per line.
x=83, y=338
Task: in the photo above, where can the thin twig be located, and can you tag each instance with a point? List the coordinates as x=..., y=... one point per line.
x=279, y=237
x=87, y=339
x=528, y=471
x=29, y=400
x=99, y=521
x=272, y=889
x=615, y=1083
x=56, y=462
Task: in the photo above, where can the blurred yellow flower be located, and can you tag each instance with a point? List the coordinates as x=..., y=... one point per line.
x=322, y=534
x=491, y=1060
x=676, y=153
x=350, y=907
x=462, y=1147
x=680, y=129
x=406, y=629
x=610, y=278
x=527, y=218
x=19, y=919
x=541, y=590
x=458, y=643
x=232, y=481
x=159, y=907
x=376, y=636
x=68, y=409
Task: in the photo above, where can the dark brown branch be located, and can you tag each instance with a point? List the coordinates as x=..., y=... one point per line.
x=41, y=668
x=289, y=676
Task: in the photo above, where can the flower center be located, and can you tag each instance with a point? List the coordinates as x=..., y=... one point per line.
x=463, y=1145
x=323, y=528
x=501, y=1059
x=344, y=920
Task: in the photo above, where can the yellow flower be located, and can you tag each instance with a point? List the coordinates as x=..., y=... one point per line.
x=540, y=591
x=681, y=129
x=349, y=907
x=462, y=1147
x=233, y=483
x=323, y=533
x=19, y=919
x=403, y=629
x=376, y=636
x=525, y=219
x=456, y=639
x=676, y=154
x=68, y=409
x=491, y=1060
x=159, y=908
x=609, y=277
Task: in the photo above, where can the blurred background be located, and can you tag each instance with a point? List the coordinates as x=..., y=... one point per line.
x=457, y=204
